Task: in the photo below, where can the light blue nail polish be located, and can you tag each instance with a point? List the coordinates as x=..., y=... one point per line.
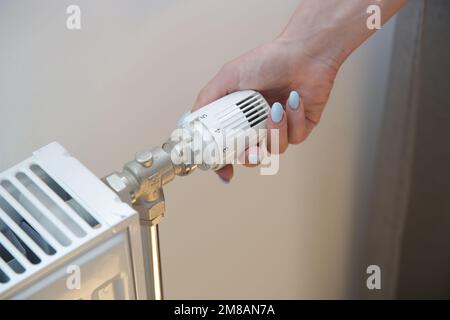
x=277, y=112
x=224, y=180
x=294, y=100
x=253, y=158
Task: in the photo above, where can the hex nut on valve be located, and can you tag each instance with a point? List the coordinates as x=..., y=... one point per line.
x=145, y=158
x=119, y=186
x=157, y=212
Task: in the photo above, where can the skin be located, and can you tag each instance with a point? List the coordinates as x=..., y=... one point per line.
x=305, y=58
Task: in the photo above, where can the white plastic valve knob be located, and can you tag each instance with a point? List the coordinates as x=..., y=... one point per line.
x=220, y=132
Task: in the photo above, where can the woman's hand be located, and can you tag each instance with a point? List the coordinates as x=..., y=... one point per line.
x=298, y=69
x=286, y=76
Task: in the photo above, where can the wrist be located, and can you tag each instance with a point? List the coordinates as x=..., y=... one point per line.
x=332, y=32
x=319, y=48
x=330, y=35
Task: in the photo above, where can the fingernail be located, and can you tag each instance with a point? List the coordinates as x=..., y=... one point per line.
x=253, y=158
x=294, y=100
x=224, y=180
x=277, y=112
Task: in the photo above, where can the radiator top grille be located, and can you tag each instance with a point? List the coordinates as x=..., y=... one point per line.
x=39, y=220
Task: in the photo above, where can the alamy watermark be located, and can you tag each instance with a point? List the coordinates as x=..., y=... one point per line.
x=373, y=281
x=217, y=147
x=73, y=281
x=73, y=21
x=373, y=22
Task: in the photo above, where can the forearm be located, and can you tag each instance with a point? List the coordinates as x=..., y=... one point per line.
x=333, y=29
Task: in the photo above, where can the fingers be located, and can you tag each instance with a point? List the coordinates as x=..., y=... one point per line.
x=277, y=129
x=226, y=173
x=252, y=157
x=291, y=124
x=225, y=82
x=284, y=127
x=296, y=120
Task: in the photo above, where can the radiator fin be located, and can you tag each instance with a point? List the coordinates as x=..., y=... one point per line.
x=38, y=219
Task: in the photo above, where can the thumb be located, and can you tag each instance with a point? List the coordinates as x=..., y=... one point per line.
x=224, y=82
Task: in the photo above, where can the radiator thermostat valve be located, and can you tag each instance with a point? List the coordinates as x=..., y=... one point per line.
x=219, y=133
x=207, y=138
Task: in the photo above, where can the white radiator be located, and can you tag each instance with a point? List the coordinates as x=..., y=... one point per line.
x=65, y=235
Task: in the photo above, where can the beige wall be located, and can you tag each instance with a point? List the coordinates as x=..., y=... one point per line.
x=119, y=84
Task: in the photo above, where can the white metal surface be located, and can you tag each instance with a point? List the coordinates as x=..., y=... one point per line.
x=59, y=221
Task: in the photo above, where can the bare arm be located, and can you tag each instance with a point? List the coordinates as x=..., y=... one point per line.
x=299, y=67
x=335, y=28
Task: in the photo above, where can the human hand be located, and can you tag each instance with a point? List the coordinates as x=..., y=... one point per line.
x=301, y=64
x=284, y=74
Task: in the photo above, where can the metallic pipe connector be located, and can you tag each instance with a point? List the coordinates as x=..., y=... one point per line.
x=141, y=181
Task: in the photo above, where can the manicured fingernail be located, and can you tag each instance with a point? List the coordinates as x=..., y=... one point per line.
x=294, y=100
x=224, y=180
x=276, y=112
x=253, y=158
